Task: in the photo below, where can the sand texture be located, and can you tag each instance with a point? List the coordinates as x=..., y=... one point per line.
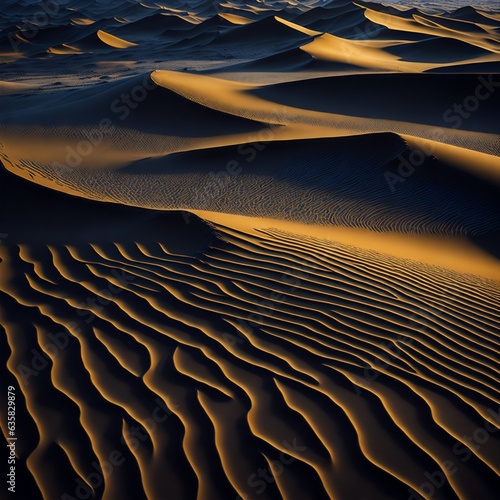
x=250, y=250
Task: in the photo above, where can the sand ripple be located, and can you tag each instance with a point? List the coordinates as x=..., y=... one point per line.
x=278, y=353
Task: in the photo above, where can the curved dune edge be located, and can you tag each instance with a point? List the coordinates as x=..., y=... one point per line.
x=483, y=165
x=82, y=21
x=441, y=201
x=297, y=27
x=235, y=18
x=263, y=130
x=360, y=370
x=240, y=99
x=64, y=49
x=420, y=24
x=114, y=41
x=455, y=254
x=328, y=47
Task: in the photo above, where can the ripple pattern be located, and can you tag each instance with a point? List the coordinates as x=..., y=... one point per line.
x=234, y=372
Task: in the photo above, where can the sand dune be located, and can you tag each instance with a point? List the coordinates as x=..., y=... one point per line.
x=189, y=315
x=251, y=250
x=114, y=41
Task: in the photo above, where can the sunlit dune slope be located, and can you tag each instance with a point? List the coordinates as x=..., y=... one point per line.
x=277, y=146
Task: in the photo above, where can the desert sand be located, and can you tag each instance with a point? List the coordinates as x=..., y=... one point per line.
x=250, y=250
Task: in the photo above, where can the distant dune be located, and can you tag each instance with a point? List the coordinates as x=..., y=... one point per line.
x=251, y=250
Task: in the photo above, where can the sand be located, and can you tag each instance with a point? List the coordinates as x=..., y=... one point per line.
x=251, y=251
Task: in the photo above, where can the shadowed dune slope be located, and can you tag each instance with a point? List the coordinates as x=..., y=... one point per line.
x=351, y=182
x=207, y=145
x=432, y=98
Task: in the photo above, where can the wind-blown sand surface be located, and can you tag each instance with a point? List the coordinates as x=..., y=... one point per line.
x=250, y=250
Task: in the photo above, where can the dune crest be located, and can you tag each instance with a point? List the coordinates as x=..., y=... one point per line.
x=114, y=41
